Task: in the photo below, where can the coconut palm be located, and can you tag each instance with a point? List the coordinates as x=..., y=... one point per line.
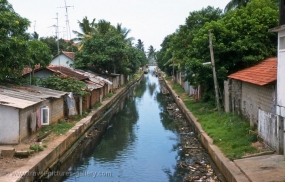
x=235, y=4
x=124, y=31
x=151, y=54
x=87, y=31
x=103, y=27
x=140, y=45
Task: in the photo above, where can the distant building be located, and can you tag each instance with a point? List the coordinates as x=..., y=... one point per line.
x=64, y=58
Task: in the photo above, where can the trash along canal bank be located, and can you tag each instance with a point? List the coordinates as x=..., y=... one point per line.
x=147, y=138
x=229, y=170
x=40, y=164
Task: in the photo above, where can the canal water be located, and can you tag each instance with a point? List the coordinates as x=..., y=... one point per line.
x=142, y=142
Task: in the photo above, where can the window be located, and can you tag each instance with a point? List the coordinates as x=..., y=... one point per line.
x=45, y=115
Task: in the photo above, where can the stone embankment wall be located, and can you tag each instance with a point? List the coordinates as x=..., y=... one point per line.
x=230, y=171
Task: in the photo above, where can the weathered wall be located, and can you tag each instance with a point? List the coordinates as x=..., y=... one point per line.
x=95, y=98
x=9, y=125
x=235, y=95
x=56, y=112
x=255, y=97
x=246, y=99
x=86, y=101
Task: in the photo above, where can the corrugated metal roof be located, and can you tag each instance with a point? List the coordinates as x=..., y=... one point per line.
x=94, y=78
x=22, y=97
x=260, y=74
x=67, y=71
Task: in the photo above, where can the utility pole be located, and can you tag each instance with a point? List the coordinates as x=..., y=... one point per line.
x=68, y=33
x=35, y=26
x=214, y=73
x=57, y=32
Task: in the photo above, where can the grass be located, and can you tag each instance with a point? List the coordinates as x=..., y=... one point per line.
x=62, y=127
x=36, y=147
x=108, y=95
x=44, y=130
x=228, y=132
x=97, y=105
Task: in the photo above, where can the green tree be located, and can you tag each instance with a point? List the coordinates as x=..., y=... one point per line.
x=180, y=45
x=64, y=45
x=38, y=53
x=103, y=52
x=235, y=4
x=241, y=39
x=124, y=32
x=67, y=84
x=164, y=55
x=103, y=27
x=151, y=53
x=88, y=29
x=13, y=41
x=140, y=45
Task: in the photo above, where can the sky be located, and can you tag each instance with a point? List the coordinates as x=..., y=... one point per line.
x=149, y=20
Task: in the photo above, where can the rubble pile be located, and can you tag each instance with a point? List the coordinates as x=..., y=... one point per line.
x=194, y=160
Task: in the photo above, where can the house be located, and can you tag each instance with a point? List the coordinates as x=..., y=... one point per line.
x=252, y=93
x=24, y=110
x=96, y=85
x=280, y=96
x=64, y=58
x=61, y=70
x=253, y=89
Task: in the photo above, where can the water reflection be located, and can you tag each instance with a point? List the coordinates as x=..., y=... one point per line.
x=143, y=143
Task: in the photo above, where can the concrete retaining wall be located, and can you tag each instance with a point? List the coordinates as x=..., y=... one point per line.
x=51, y=155
x=230, y=171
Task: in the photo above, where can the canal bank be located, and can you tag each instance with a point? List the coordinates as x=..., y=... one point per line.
x=228, y=168
x=38, y=165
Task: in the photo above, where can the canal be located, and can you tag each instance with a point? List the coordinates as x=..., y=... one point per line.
x=143, y=142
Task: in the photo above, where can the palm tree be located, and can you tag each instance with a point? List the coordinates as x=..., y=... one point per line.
x=151, y=54
x=140, y=45
x=235, y=4
x=103, y=27
x=124, y=32
x=87, y=31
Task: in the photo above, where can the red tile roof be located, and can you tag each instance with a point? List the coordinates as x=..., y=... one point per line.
x=261, y=74
x=66, y=71
x=69, y=54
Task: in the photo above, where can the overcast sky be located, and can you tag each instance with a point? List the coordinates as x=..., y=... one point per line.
x=148, y=20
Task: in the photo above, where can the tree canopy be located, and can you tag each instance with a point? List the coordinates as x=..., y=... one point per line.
x=240, y=39
x=109, y=50
x=13, y=41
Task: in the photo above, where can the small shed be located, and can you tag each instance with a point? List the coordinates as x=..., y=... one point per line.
x=252, y=89
x=24, y=110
